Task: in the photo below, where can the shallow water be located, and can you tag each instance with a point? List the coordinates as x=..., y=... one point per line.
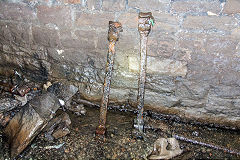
x=120, y=143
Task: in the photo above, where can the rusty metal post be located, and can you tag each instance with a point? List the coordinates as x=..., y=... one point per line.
x=145, y=22
x=113, y=35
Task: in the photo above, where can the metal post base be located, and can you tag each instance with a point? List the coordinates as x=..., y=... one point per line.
x=139, y=130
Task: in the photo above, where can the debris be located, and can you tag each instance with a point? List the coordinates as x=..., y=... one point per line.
x=63, y=91
x=4, y=119
x=113, y=35
x=23, y=99
x=8, y=103
x=23, y=90
x=195, y=133
x=15, y=89
x=58, y=127
x=160, y=150
x=77, y=109
x=85, y=102
x=34, y=116
x=62, y=103
x=46, y=85
x=29, y=121
x=156, y=125
x=54, y=146
x=211, y=13
x=60, y=132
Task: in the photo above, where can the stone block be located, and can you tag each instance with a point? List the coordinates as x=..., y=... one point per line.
x=192, y=41
x=224, y=23
x=228, y=107
x=88, y=34
x=78, y=44
x=45, y=105
x=119, y=94
x=16, y=12
x=159, y=100
x=202, y=69
x=232, y=7
x=167, y=67
x=191, y=90
x=160, y=66
x=221, y=45
x=96, y=19
x=230, y=77
x=128, y=40
x=45, y=37
x=194, y=7
x=79, y=58
x=94, y=4
x=236, y=33
x=166, y=23
x=129, y=20
x=18, y=33
x=113, y=5
x=150, y=5
x=227, y=91
x=22, y=129
x=56, y=15
x=34, y=116
x=102, y=41
x=133, y=64
x=124, y=79
x=161, y=84
x=160, y=45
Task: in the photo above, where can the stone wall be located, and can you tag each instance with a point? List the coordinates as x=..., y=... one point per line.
x=193, y=51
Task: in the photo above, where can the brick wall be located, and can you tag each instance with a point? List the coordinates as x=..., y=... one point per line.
x=193, y=51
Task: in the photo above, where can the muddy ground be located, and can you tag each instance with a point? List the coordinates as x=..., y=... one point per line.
x=120, y=141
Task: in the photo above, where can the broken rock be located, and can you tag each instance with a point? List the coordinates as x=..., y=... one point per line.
x=34, y=116
x=8, y=103
x=160, y=150
x=28, y=122
x=63, y=91
x=58, y=127
x=77, y=109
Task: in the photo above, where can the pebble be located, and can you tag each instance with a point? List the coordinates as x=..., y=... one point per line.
x=45, y=86
x=195, y=133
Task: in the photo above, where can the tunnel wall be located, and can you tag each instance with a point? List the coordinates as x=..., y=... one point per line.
x=193, y=51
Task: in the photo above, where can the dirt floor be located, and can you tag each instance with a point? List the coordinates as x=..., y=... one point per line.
x=120, y=141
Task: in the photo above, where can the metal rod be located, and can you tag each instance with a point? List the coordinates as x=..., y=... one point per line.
x=181, y=138
x=145, y=22
x=113, y=35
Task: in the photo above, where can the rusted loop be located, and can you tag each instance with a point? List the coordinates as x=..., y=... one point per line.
x=144, y=22
x=113, y=35
x=114, y=29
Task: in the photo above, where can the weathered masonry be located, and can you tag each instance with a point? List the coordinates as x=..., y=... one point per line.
x=193, y=58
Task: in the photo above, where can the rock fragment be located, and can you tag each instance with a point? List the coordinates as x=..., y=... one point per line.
x=160, y=150
x=34, y=116
x=77, y=109
x=58, y=127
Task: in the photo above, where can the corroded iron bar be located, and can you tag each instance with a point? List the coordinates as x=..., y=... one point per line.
x=181, y=138
x=113, y=35
x=145, y=22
